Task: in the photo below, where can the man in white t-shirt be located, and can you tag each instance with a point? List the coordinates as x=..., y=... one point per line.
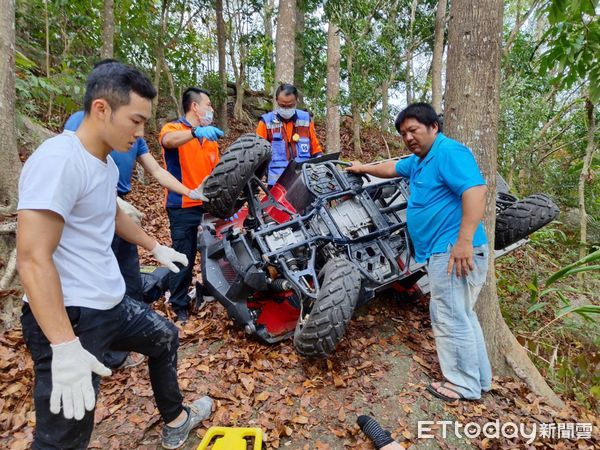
x=75, y=309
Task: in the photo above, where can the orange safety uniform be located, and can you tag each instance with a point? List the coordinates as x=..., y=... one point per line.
x=190, y=163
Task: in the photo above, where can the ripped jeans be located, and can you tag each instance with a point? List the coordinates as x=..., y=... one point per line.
x=129, y=326
x=458, y=337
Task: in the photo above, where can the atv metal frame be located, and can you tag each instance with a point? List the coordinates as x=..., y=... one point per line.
x=237, y=265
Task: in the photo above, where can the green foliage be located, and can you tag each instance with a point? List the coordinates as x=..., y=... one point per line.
x=212, y=83
x=573, y=41
x=565, y=350
x=375, y=40
x=541, y=296
x=35, y=92
x=315, y=65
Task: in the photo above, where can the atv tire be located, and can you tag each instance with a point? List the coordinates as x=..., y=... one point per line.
x=522, y=218
x=327, y=321
x=248, y=156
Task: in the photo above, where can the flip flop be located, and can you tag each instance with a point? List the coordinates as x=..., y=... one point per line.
x=441, y=396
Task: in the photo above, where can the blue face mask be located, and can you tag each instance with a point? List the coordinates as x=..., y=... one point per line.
x=286, y=113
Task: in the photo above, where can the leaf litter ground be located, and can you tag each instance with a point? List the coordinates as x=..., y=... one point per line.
x=381, y=368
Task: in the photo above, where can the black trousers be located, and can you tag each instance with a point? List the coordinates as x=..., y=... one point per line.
x=129, y=326
x=184, y=224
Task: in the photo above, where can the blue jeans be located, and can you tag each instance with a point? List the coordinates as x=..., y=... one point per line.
x=184, y=224
x=458, y=336
x=129, y=326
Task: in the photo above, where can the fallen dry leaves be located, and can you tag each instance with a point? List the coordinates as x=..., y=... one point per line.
x=380, y=368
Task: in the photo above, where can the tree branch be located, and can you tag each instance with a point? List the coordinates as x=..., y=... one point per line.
x=518, y=24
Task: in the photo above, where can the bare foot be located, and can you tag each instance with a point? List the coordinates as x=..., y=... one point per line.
x=392, y=446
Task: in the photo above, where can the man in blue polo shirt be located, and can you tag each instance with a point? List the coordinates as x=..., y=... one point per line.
x=445, y=209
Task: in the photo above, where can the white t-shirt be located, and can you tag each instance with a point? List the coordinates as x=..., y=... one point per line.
x=61, y=176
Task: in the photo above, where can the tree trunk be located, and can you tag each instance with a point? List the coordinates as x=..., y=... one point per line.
x=286, y=46
x=159, y=56
x=108, y=30
x=299, y=54
x=409, y=56
x=269, y=68
x=10, y=165
x=438, y=57
x=239, y=74
x=222, y=108
x=47, y=68
x=471, y=116
x=9, y=157
x=47, y=37
x=390, y=53
x=385, y=106
x=238, y=110
x=584, y=177
x=354, y=106
x=174, y=95
x=332, y=118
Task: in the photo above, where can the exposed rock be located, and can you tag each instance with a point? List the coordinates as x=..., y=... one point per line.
x=30, y=135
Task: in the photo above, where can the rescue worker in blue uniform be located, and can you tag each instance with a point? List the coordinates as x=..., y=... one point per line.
x=290, y=131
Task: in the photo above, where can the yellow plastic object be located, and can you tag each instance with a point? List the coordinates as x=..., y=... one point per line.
x=230, y=438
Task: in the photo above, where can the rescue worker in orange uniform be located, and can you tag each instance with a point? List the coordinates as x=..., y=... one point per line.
x=290, y=131
x=191, y=153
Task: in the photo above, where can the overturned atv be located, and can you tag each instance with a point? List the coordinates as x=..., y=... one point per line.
x=300, y=257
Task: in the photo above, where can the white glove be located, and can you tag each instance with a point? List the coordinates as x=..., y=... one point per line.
x=198, y=193
x=130, y=210
x=168, y=257
x=72, y=367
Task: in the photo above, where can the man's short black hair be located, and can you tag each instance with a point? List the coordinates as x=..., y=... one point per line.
x=114, y=83
x=190, y=95
x=421, y=112
x=105, y=61
x=287, y=89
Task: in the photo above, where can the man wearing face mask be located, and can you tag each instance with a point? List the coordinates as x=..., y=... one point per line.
x=191, y=153
x=290, y=131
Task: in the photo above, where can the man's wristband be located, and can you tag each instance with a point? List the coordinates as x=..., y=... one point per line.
x=193, y=130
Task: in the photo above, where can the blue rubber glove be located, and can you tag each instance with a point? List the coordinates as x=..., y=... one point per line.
x=209, y=133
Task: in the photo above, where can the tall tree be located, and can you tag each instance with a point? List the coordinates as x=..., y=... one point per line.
x=355, y=22
x=268, y=68
x=47, y=35
x=9, y=159
x=585, y=175
x=222, y=113
x=237, y=37
x=159, y=55
x=299, y=62
x=409, y=54
x=285, y=42
x=108, y=29
x=471, y=116
x=388, y=40
x=332, y=117
x=438, y=56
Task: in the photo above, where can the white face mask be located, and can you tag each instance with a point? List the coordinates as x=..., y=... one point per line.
x=207, y=119
x=286, y=113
